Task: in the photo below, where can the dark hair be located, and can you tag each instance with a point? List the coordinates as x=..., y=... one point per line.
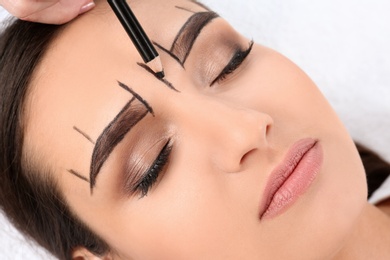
x=28, y=196
x=377, y=169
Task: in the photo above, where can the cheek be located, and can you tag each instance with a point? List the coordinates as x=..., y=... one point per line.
x=175, y=218
x=192, y=213
x=274, y=85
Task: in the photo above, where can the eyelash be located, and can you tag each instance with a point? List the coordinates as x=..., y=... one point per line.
x=235, y=62
x=154, y=171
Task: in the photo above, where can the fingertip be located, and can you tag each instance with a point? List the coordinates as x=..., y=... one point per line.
x=87, y=7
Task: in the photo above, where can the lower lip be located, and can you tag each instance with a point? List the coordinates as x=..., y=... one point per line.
x=297, y=183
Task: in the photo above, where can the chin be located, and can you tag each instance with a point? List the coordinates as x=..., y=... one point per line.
x=325, y=219
x=342, y=196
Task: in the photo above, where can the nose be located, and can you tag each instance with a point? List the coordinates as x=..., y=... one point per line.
x=242, y=131
x=230, y=132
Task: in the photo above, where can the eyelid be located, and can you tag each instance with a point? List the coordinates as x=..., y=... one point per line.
x=234, y=63
x=154, y=172
x=141, y=175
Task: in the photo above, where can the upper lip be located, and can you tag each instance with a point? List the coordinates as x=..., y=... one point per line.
x=283, y=170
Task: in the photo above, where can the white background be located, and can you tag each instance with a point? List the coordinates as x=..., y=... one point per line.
x=342, y=45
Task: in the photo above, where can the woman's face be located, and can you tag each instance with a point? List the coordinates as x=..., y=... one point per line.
x=98, y=118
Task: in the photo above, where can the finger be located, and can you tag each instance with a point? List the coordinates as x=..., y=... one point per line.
x=50, y=11
x=23, y=8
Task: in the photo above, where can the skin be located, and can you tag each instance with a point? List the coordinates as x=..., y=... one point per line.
x=226, y=140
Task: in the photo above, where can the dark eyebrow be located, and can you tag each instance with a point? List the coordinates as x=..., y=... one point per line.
x=189, y=32
x=116, y=130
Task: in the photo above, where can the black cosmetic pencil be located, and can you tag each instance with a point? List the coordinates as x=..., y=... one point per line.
x=138, y=36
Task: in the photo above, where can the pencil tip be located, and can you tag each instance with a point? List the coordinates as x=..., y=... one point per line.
x=160, y=74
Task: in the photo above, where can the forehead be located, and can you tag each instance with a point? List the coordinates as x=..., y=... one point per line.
x=76, y=82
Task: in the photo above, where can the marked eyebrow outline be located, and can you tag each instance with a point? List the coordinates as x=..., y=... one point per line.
x=189, y=32
x=115, y=132
x=137, y=96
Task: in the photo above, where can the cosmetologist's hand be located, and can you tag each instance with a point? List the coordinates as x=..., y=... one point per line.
x=47, y=11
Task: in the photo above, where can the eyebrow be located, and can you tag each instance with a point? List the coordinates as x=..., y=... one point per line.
x=116, y=130
x=189, y=32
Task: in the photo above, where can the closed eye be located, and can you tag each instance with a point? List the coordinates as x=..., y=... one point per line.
x=150, y=177
x=237, y=59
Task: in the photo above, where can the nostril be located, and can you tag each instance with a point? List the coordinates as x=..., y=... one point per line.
x=256, y=127
x=267, y=129
x=266, y=125
x=247, y=155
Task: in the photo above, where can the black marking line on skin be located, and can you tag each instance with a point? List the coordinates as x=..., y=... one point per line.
x=83, y=134
x=163, y=80
x=78, y=175
x=113, y=134
x=185, y=9
x=201, y=5
x=137, y=96
x=169, y=53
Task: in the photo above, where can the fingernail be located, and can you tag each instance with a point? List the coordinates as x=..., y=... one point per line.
x=87, y=7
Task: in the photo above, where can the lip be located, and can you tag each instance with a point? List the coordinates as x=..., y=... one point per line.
x=292, y=177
